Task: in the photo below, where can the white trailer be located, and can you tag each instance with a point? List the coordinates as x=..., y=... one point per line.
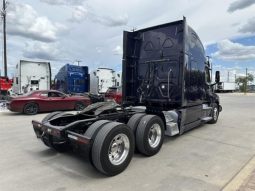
x=226, y=87
x=31, y=76
x=101, y=79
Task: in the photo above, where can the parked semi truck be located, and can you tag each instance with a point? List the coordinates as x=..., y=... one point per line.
x=226, y=87
x=72, y=79
x=31, y=75
x=167, y=90
x=101, y=79
x=5, y=85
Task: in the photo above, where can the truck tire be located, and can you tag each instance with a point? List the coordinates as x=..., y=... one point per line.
x=150, y=135
x=214, y=114
x=31, y=108
x=113, y=148
x=92, y=132
x=134, y=121
x=94, y=128
x=79, y=106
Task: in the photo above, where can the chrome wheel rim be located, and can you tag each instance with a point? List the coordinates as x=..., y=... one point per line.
x=154, y=135
x=31, y=109
x=119, y=149
x=215, y=113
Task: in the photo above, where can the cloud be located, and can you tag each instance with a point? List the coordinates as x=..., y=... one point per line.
x=110, y=21
x=82, y=13
x=240, y=4
x=64, y=2
x=24, y=21
x=98, y=50
x=249, y=27
x=79, y=14
x=229, y=50
x=117, y=50
x=44, y=51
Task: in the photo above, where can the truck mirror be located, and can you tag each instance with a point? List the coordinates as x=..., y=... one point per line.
x=217, y=76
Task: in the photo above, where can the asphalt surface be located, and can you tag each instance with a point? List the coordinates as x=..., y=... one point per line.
x=205, y=158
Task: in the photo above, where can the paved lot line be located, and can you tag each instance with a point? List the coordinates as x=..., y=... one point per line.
x=242, y=179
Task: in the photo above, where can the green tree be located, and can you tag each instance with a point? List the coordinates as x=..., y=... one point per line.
x=242, y=81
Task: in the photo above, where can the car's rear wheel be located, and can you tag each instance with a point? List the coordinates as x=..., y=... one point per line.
x=79, y=106
x=31, y=109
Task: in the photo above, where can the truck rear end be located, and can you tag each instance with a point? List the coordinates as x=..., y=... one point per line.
x=77, y=79
x=32, y=75
x=153, y=65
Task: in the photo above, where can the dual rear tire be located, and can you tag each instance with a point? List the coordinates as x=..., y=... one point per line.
x=114, y=143
x=149, y=133
x=113, y=146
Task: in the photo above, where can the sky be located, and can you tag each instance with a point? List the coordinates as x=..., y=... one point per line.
x=65, y=31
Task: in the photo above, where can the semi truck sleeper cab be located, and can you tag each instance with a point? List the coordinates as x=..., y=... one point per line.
x=167, y=90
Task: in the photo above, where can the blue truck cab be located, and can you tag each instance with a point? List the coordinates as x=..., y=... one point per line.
x=72, y=79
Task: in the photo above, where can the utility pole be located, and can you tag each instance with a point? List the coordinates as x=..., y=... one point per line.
x=211, y=72
x=78, y=61
x=228, y=76
x=4, y=37
x=246, y=81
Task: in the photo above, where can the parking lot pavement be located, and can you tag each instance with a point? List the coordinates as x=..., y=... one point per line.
x=205, y=158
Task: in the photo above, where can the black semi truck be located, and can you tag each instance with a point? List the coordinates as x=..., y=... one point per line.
x=167, y=90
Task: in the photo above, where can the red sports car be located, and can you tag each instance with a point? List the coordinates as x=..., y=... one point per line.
x=46, y=100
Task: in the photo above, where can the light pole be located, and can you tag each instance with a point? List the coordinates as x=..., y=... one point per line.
x=78, y=61
x=3, y=14
x=246, y=81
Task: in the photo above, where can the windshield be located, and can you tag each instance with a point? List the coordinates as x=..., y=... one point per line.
x=29, y=93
